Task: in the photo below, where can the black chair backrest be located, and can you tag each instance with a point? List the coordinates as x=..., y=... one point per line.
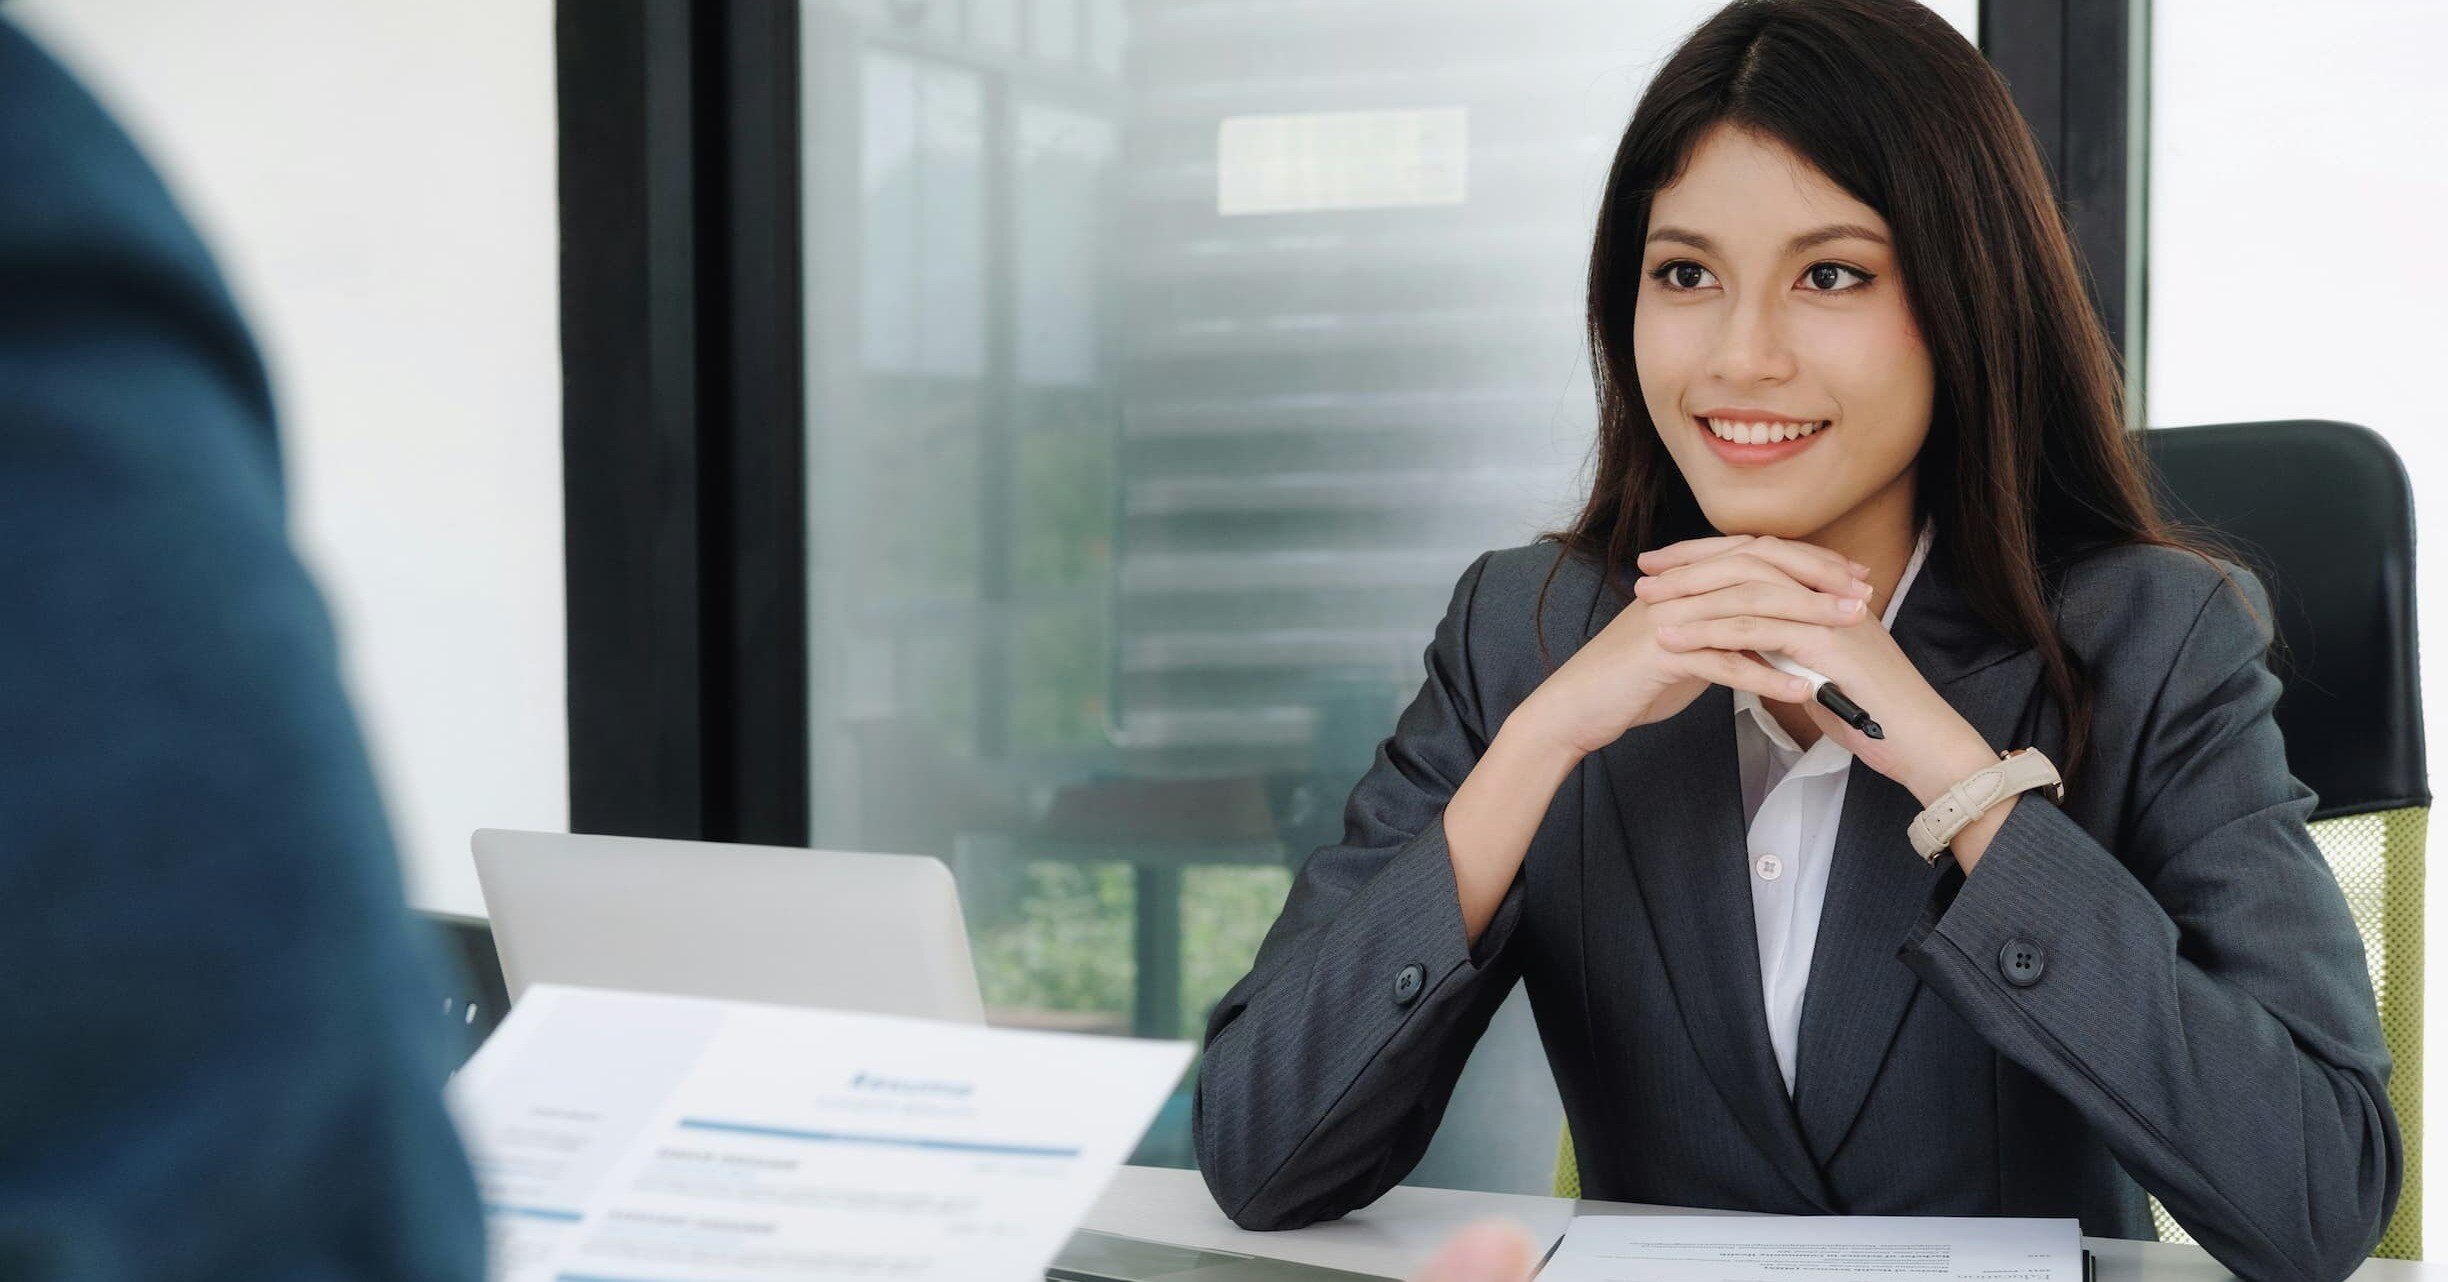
x=478, y=998
x=2321, y=511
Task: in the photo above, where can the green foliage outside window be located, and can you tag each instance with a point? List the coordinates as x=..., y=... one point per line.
x=1060, y=953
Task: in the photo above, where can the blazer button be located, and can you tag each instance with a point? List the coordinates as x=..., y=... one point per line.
x=1407, y=983
x=2021, y=961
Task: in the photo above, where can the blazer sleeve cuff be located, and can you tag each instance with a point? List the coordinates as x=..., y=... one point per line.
x=2045, y=881
x=1394, y=951
x=2046, y=889
x=1411, y=912
x=1391, y=974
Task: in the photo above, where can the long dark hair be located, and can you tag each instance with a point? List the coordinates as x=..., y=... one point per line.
x=2028, y=465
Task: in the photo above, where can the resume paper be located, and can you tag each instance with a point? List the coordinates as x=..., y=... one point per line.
x=625, y=1137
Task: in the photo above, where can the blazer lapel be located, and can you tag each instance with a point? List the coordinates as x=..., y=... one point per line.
x=1859, y=990
x=1677, y=791
x=1678, y=794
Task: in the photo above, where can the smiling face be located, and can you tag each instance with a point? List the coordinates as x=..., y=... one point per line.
x=1770, y=301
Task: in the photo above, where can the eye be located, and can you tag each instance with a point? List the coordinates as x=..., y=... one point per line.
x=1823, y=276
x=1683, y=276
x=1676, y=275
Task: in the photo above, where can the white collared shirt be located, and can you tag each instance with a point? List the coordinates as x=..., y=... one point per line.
x=1791, y=801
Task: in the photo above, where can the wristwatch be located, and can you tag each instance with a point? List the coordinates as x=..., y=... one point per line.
x=2016, y=771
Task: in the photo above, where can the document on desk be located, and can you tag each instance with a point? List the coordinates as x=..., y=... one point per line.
x=623, y=1137
x=1806, y=1248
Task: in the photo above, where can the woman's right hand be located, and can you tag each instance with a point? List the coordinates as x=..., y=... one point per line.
x=1624, y=678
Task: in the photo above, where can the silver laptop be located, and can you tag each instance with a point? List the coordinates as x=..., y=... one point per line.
x=827, y=928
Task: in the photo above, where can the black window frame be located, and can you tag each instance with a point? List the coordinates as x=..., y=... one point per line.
x=683, y=461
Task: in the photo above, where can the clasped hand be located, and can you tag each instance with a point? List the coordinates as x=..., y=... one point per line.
x=1705, y=609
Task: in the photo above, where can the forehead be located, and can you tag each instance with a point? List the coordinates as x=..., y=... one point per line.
x=1743, y=188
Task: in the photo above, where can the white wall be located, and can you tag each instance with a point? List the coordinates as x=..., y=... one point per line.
x=2296, y=269
x=378, y=180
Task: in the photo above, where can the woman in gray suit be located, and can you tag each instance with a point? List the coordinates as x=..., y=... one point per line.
x=1854, y=408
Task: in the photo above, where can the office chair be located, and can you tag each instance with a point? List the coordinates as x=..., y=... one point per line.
x=2321, y=511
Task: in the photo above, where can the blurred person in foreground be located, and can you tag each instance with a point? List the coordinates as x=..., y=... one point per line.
x=224, y=1048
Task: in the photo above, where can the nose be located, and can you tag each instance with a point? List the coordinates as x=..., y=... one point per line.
x=1751, y=345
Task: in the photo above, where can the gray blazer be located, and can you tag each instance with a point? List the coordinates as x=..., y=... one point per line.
x=2156, y=987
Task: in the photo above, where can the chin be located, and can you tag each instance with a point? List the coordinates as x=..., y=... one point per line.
x=1780, y=524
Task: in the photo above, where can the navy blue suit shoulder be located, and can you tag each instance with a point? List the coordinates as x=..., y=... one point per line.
x=223, y=1050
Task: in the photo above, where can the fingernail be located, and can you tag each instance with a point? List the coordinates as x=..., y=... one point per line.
x=1858, y=567
x=1860, y=587
x=1853, y=606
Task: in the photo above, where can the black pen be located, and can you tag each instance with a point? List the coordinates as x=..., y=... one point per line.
x=1826, y=692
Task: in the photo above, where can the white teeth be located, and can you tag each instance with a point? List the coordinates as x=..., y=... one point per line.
x=1760, y=433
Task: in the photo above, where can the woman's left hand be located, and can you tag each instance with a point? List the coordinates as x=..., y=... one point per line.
x=1928, y=745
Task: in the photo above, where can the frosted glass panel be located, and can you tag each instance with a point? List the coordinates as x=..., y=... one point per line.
x=995, y=24
x=1063, y=163
x=1167, y=366
x=923, y=189
x=1054, y=29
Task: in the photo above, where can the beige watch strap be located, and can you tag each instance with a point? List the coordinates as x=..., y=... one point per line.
x=1971, y=797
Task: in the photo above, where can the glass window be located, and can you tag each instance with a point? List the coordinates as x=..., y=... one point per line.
x=1170, y=364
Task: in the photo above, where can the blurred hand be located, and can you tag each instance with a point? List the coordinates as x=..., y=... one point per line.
x=1488, y=1251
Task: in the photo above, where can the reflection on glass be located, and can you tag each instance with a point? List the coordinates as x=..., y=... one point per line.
x=1054, y=29
x=1062, y=158
x=923, y=182
x=994, y=24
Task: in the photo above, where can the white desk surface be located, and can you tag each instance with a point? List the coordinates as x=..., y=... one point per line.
x=1398, y=1234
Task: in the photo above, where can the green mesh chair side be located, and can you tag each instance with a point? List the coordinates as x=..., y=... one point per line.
x=2321, y=511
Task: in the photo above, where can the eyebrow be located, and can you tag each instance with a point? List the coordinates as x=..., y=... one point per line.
x=1807, y=240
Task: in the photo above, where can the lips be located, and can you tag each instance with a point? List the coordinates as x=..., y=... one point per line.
x=1744, y=453
x=1759, y=431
